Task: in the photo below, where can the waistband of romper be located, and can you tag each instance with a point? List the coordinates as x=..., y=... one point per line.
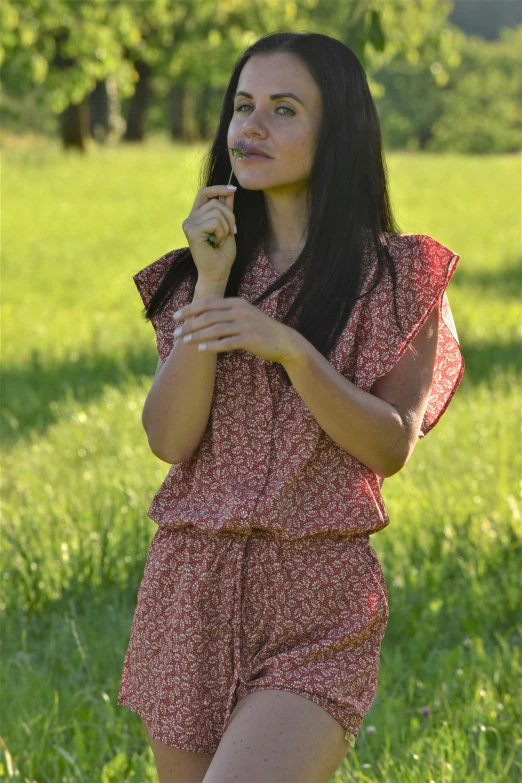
x=258, y=532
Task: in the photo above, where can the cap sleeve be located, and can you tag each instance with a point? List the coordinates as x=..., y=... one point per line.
x=424, y=269
x=147, y=281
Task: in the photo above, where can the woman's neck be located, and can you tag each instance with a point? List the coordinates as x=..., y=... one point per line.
x=282, y=258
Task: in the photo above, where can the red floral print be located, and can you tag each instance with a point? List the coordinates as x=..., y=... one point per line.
x=260, y=574
x=264, y=460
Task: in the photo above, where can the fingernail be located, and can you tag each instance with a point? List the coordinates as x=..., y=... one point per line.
x=177, y=314
x=178, y=331
x=235, y=229
x=231, y=187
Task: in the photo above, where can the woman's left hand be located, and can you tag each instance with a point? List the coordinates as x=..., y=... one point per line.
x=232, y=323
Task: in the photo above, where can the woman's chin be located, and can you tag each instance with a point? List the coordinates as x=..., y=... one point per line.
x=254, y=183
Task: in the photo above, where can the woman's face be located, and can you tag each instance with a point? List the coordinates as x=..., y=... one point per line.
x=283, y=128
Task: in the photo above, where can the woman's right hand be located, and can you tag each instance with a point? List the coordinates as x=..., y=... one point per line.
x=210, y=215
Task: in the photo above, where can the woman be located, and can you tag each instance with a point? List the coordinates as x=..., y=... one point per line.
x=300, y=360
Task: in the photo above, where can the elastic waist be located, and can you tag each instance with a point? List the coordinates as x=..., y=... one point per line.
x=326, y=535
x=258, y=532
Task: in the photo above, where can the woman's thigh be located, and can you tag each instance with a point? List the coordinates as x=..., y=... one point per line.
x=278, y=737
x=178, y=766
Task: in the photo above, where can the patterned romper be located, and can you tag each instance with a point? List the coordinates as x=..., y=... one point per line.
x=261, y=574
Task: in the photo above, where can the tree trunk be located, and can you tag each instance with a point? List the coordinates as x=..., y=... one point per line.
x=190, y=127
x=137, y=113
x=175, y=100
x=424, y=136
x=99, y=112
x=204, y=102
x=74, y=120
x=74, y=125
x=183, y=124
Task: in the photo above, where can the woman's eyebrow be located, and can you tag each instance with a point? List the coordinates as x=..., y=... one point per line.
x=273, y=97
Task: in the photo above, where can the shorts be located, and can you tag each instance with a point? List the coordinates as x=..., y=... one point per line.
x=222, y=614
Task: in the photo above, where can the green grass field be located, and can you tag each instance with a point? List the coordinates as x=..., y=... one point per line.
x=78, y=476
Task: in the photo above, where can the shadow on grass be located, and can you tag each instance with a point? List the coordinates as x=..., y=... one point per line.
x=34, y=394
x=503, y=282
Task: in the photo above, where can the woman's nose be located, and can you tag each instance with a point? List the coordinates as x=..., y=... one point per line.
x=253, y=120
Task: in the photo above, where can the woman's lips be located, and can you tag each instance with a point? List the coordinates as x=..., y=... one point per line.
x=255, y=157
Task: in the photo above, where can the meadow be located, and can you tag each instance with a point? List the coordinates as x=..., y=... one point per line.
x=78, y=475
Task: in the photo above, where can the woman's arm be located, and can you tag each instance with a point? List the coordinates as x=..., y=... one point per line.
x=379, y=428
x=176, y=411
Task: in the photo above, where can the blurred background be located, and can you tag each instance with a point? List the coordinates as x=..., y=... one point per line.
x=445, y=75
x=107, y=108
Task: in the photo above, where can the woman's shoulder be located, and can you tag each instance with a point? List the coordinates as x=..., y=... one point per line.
x=407, y=243
x=424, y=267
x=149, y=278
x=147, y=281
x=420, y=262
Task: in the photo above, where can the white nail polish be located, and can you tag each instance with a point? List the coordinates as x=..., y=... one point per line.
x=202, y=346
x=231, y=187
x=178, y=331
x=187, y=338
x=177, y=314
x=235, y=229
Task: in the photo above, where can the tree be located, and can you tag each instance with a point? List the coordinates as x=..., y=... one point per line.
x=180, y=48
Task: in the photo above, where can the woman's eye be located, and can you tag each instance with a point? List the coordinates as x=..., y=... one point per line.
x=240, y=106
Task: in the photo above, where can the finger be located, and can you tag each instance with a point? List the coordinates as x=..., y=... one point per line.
x=226, y=344
x=215, y=226
x=225, y=228
x=211, y=332
x=210, y=318
x=229, y=200
x=227, y=212
x=213, y=191
x=208, y=303
x=220, y=217
x=216, y=221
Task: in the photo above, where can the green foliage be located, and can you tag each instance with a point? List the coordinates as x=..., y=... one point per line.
x=67, y=45
x=70, y=44
x=77, y=478
x=465, y=99
x=482, y=103
x=435, y=88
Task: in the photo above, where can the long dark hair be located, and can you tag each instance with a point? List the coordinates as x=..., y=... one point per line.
x=348, y=200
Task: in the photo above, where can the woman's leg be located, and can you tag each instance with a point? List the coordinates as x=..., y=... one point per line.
x=178, y=766
x=278, y=737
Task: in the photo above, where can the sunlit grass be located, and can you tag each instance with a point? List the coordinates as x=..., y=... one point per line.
x=78, y=476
